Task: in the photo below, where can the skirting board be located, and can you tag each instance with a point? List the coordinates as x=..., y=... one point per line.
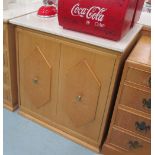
x=10, y=107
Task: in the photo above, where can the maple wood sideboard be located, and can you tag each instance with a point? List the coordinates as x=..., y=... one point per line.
x=67, y=85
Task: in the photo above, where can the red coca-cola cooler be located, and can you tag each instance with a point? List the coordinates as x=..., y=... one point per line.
x=110, y=19
x=139, y=7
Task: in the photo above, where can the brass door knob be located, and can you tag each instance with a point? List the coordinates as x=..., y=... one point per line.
x=78, y=98
x=35, y=81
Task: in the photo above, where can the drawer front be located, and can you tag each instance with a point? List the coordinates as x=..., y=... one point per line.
x=139, y=125
x=139, y=77
x=136, y=98
x=127, y=142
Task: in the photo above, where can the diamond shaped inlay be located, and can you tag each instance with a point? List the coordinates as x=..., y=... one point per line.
x=82, y=90
x=37, y=78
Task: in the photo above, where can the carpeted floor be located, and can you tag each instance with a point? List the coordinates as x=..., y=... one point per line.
x=24, y=137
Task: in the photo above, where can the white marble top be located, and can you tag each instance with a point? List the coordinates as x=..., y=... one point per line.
x=50, y=25
x=145, y=19
x=18, y=9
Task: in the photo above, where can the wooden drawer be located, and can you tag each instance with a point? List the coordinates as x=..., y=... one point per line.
x=126, y=141
x=139, y=77
x=136, y=98
x=138, y=124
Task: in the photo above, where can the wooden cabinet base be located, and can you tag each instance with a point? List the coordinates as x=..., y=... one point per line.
x=74, y=139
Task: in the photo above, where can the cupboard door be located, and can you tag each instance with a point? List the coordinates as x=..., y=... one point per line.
x=85, y=77
x=38, y=57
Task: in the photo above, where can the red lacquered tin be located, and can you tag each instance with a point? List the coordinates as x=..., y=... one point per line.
x=138, y=9
x=110, y=19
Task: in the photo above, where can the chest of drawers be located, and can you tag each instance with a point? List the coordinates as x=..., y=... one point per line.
x=131, y=121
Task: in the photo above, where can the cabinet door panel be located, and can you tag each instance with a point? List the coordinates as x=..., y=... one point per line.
x=85, y=76
x=38, y=66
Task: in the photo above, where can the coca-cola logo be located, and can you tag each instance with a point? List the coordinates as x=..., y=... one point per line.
x=94, y=13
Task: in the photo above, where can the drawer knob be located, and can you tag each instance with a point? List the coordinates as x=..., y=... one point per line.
x=147, y=103
x=134, y=145
x=78, y=98
x=141, y=126
x=35, y=81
